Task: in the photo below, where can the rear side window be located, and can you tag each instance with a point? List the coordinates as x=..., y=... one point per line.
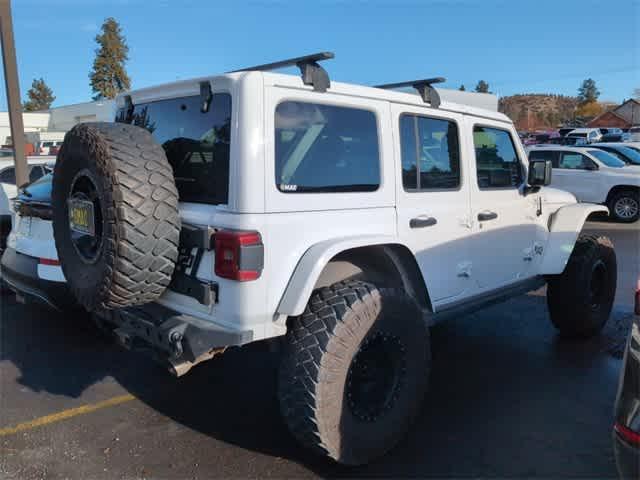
x=323, y=148
x=430, y=153
x=197, y=144
x=497, y=162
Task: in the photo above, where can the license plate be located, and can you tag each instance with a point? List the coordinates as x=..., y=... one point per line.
x=81, y=216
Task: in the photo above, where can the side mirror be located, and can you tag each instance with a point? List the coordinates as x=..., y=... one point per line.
x=539, y=173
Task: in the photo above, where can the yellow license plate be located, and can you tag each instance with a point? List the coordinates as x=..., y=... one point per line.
x=81, y=218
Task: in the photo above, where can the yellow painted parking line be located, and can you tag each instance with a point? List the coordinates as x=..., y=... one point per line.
x=64, y=415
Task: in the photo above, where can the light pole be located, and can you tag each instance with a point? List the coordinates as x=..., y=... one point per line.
x=13, y=91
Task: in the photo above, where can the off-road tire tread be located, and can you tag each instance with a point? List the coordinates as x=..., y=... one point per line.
x=308, y=360
x=141, y=210
x=567, y=312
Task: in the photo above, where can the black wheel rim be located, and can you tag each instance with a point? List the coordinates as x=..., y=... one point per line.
x=375, y=377
x=598, y=285
x=87, y=246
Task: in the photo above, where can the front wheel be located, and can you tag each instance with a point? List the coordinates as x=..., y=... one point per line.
x=580, y=299
x=354, y=371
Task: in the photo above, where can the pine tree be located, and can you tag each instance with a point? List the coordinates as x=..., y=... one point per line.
x=462, y=89
x=40, y=96
x=482, y=87
x=109, y=76
x=588, y=92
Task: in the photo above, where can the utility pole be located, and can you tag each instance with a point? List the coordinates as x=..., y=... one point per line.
x=13, y=92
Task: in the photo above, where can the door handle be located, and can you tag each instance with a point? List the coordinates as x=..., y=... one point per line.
x=485, y=216
x=421, y=222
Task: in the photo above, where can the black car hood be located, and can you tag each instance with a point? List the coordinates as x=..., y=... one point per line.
x=34, y=200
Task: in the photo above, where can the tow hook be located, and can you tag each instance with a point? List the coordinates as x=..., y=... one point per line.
x=178, y=366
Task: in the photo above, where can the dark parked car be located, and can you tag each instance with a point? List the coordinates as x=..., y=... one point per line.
x=626, y=431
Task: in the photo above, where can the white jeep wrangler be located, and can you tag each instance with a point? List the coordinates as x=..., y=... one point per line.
x=341, y=218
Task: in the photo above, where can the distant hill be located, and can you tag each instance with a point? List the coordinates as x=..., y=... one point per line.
x=534, y=111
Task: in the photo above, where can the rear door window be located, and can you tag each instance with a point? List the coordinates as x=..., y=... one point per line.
x=197, y=144
x=430, y=153
x=323, y=148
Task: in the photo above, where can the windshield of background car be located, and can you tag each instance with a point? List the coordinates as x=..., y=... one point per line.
x=626, y=154
x=197, y=144
x=608, y=159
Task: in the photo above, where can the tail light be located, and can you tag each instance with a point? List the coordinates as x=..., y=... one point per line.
x=239, y=255
x=637, y=303
x=49, y=261
x=627, y=434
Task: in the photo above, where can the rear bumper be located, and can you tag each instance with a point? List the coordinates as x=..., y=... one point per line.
x=178, y=340
x=627, y=458
x=20, y=274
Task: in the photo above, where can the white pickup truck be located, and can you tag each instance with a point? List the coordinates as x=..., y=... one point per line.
x=596, y=176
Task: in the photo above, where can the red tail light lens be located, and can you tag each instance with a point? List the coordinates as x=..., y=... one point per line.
x=239, y=255
x=627, y=434
x=637, y=306
x=49, y=261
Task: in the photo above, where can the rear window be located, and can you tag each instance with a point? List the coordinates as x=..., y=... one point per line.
x=197, y=144
x=323, y=148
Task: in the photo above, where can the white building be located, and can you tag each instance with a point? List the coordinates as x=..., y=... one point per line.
x=58, y=119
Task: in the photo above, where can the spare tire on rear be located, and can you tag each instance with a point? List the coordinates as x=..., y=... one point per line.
x=115, y=215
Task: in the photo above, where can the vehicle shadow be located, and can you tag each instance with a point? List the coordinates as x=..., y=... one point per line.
x=507, y=397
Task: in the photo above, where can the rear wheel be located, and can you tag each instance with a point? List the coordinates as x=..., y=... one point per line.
x=581, y=298
x=624, y=206
x=354, y=371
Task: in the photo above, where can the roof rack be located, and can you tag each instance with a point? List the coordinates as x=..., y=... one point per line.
x=424, y=88
x=312, y=73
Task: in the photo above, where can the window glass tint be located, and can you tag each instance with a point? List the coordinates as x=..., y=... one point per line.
x=608, y=159
x=544, y=155
x=8, y=176
x=430, y=153
x=197, y=144
x=322, y=148
x=497, y=162
x=35, y=173
x=573, y=161
x=631, y=156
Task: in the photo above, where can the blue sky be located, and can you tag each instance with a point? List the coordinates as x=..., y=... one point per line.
x=517, y=46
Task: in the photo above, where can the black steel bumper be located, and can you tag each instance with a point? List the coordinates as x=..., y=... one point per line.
x=179, y=340
x=20, y=274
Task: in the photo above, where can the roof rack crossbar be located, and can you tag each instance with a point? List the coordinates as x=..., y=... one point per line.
x=424, y=87
x=312, y=73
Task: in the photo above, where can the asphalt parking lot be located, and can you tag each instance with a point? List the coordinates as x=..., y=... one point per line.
x=508, y=398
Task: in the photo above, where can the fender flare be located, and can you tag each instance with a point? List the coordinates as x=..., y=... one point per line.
x=312, y=263
x=565, y=226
